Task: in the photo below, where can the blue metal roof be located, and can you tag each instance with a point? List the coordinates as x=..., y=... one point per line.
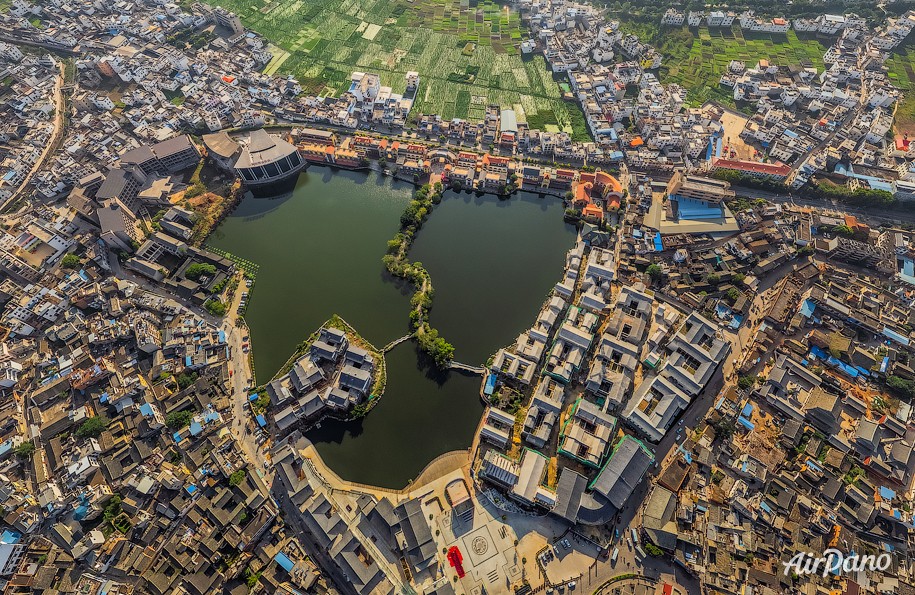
x=284, y=562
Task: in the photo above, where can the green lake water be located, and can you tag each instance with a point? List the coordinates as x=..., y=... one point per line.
x=319, y=249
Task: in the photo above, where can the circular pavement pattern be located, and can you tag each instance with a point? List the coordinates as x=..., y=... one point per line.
x=480, y=545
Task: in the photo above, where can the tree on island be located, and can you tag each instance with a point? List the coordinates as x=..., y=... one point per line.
x=440, y=350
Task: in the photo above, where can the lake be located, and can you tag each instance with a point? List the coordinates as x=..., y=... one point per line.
x=319, y=249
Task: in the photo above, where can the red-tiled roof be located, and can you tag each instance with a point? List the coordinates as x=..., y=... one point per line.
x=772, y=169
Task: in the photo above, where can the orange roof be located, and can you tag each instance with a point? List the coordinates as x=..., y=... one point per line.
x=902, y=143
x=586, y=177
x=614, y=202
x=565, y=173
x=779, y=21
x=395, y=145
x=330, y=149
x=383, y=144
x=609, y=182
x=228, y=78
x=592, y=210
x=583, y=193
x=636, y=142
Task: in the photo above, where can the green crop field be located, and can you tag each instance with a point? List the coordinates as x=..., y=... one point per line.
x=697, y=59
x=901, y=68
x=466, y=52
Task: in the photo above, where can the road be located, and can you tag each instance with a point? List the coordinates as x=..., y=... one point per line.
x=56, y=135
x=871, y=212
x=243, y=426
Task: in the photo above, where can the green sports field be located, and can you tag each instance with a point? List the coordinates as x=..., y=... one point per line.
x=467, y=53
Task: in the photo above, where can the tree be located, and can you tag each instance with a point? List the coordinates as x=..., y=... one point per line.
x=746, y=382
x=843, y=230
x=70, y=261
x=654, y=271
x=25, y=450
x=185, y=379
x=92, y=427
x=198, y=270
x=901, y=386
x=215, y=307
x=177, y=420
x=713, y=278
x=441, y=351
x=724, y=428
x=237, y=477
x=733, y=294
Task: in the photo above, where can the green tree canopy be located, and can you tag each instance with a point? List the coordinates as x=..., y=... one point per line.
x=25, y=450
x=177, y=420
x=92, y=427
x=70, y=261
x=197, y=270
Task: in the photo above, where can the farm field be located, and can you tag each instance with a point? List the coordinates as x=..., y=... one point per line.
x=697, y=59
x=466, y=52
x=902, y=72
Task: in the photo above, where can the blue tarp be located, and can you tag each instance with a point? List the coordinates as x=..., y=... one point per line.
x=10, y=537
x=886, y=493
x=746, y=423
x=836, y=363
x=814, y=465
x=658, y=243
x=284, y=562
x=747, y=410
x=253, y=397
x=146, y=410
x=191, y=489
x=196, y=428
x=807, y=308
x=490, y=384
x=261, y=421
